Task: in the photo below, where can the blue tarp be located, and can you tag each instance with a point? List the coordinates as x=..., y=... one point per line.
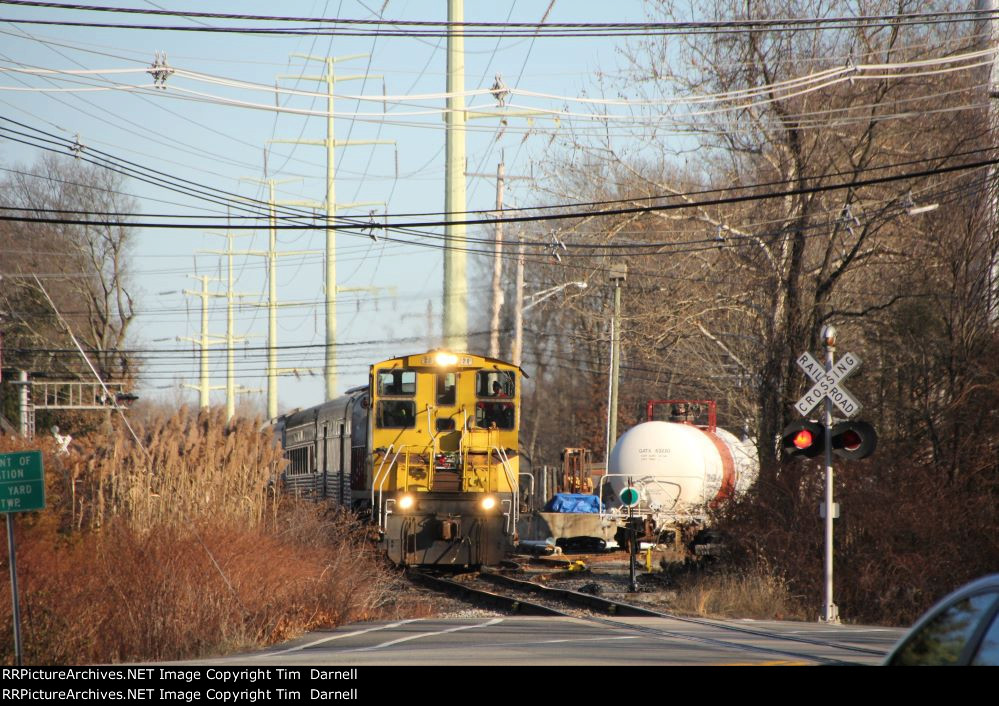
x=573, y=502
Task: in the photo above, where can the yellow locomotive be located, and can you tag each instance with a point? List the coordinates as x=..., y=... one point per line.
x=427, y=450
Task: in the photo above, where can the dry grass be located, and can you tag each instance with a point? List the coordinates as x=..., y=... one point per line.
x=755, y=593
x=185, y=552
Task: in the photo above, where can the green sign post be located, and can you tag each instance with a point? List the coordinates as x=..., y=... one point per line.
x=22, y=489
x=22, y=482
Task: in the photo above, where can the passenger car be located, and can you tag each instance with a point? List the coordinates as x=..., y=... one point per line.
x=962, y=629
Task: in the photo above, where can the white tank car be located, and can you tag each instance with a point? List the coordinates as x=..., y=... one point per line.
x=681, y=470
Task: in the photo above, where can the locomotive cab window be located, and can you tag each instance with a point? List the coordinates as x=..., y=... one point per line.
x=495, y=385
x=396, y=414
x=447, y=383
x=396, y=383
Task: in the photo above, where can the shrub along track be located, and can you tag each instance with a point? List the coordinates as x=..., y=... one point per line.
x=582, y=606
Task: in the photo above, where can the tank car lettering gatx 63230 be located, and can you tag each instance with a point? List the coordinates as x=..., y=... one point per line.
x=427, y=450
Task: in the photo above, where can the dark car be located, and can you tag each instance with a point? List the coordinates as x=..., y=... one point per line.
x=962, y=629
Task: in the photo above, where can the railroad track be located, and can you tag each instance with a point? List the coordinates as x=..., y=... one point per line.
x=465, y=591
x=582, y=606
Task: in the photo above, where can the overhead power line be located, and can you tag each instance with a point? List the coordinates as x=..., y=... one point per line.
x=485, y=216
x=725, y=200
x=433, y=28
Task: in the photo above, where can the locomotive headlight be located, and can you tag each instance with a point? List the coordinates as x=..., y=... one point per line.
x=406, y=502
x=488, y=502
x=446, y=359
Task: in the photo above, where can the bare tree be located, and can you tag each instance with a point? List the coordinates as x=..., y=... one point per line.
x=727, y=295
x=84, y=268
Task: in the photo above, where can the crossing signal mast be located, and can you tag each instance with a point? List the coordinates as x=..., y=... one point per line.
x=851, y=440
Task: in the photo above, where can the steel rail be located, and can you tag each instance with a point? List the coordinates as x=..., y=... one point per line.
x=618, y=608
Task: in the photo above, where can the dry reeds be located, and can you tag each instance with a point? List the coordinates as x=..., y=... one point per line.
x=190, y=465
x=180, y=550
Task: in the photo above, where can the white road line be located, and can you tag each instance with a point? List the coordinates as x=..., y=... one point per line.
x=494, y=621
x=339, y=636
x=527, y=643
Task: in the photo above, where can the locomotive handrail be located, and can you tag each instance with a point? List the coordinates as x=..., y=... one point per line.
x=461, y=439
x=376, y=483
x=507, y=514
x=514, y=486
x=531, y=477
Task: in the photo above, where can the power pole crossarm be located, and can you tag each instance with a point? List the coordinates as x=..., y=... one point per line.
x=331, y=143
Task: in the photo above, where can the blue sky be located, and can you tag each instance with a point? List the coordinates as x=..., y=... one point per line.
x=185, y=130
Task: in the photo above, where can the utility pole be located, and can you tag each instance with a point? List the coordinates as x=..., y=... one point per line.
x=618, y=274
x=330, y=205
x=497, y=290
x=455, y=279
x=517, y=350
x=494, y=320
x=988, y=29
x=204, y=387
x=230, y=337
x=455, y=206
x=272, y=305
x=428, y=318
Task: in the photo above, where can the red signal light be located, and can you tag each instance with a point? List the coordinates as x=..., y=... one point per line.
x=803, y=439
x=851, y=440
x=854, y=440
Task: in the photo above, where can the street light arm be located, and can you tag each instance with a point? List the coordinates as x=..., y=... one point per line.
x=552, y=291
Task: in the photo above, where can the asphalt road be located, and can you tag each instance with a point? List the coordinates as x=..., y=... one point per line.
x=512, y=640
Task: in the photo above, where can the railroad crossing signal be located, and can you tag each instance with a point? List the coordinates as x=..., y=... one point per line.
x=803, y=439
x=850, y=440
x=827, y=384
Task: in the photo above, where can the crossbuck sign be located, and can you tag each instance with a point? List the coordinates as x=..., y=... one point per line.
x=827, y=384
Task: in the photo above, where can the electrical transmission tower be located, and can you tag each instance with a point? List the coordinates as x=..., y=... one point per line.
x=272, y=304
x=205, y=340
x=330, y=205
x=231, y=389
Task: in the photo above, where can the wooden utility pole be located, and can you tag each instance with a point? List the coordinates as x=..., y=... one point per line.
x=498, y=298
